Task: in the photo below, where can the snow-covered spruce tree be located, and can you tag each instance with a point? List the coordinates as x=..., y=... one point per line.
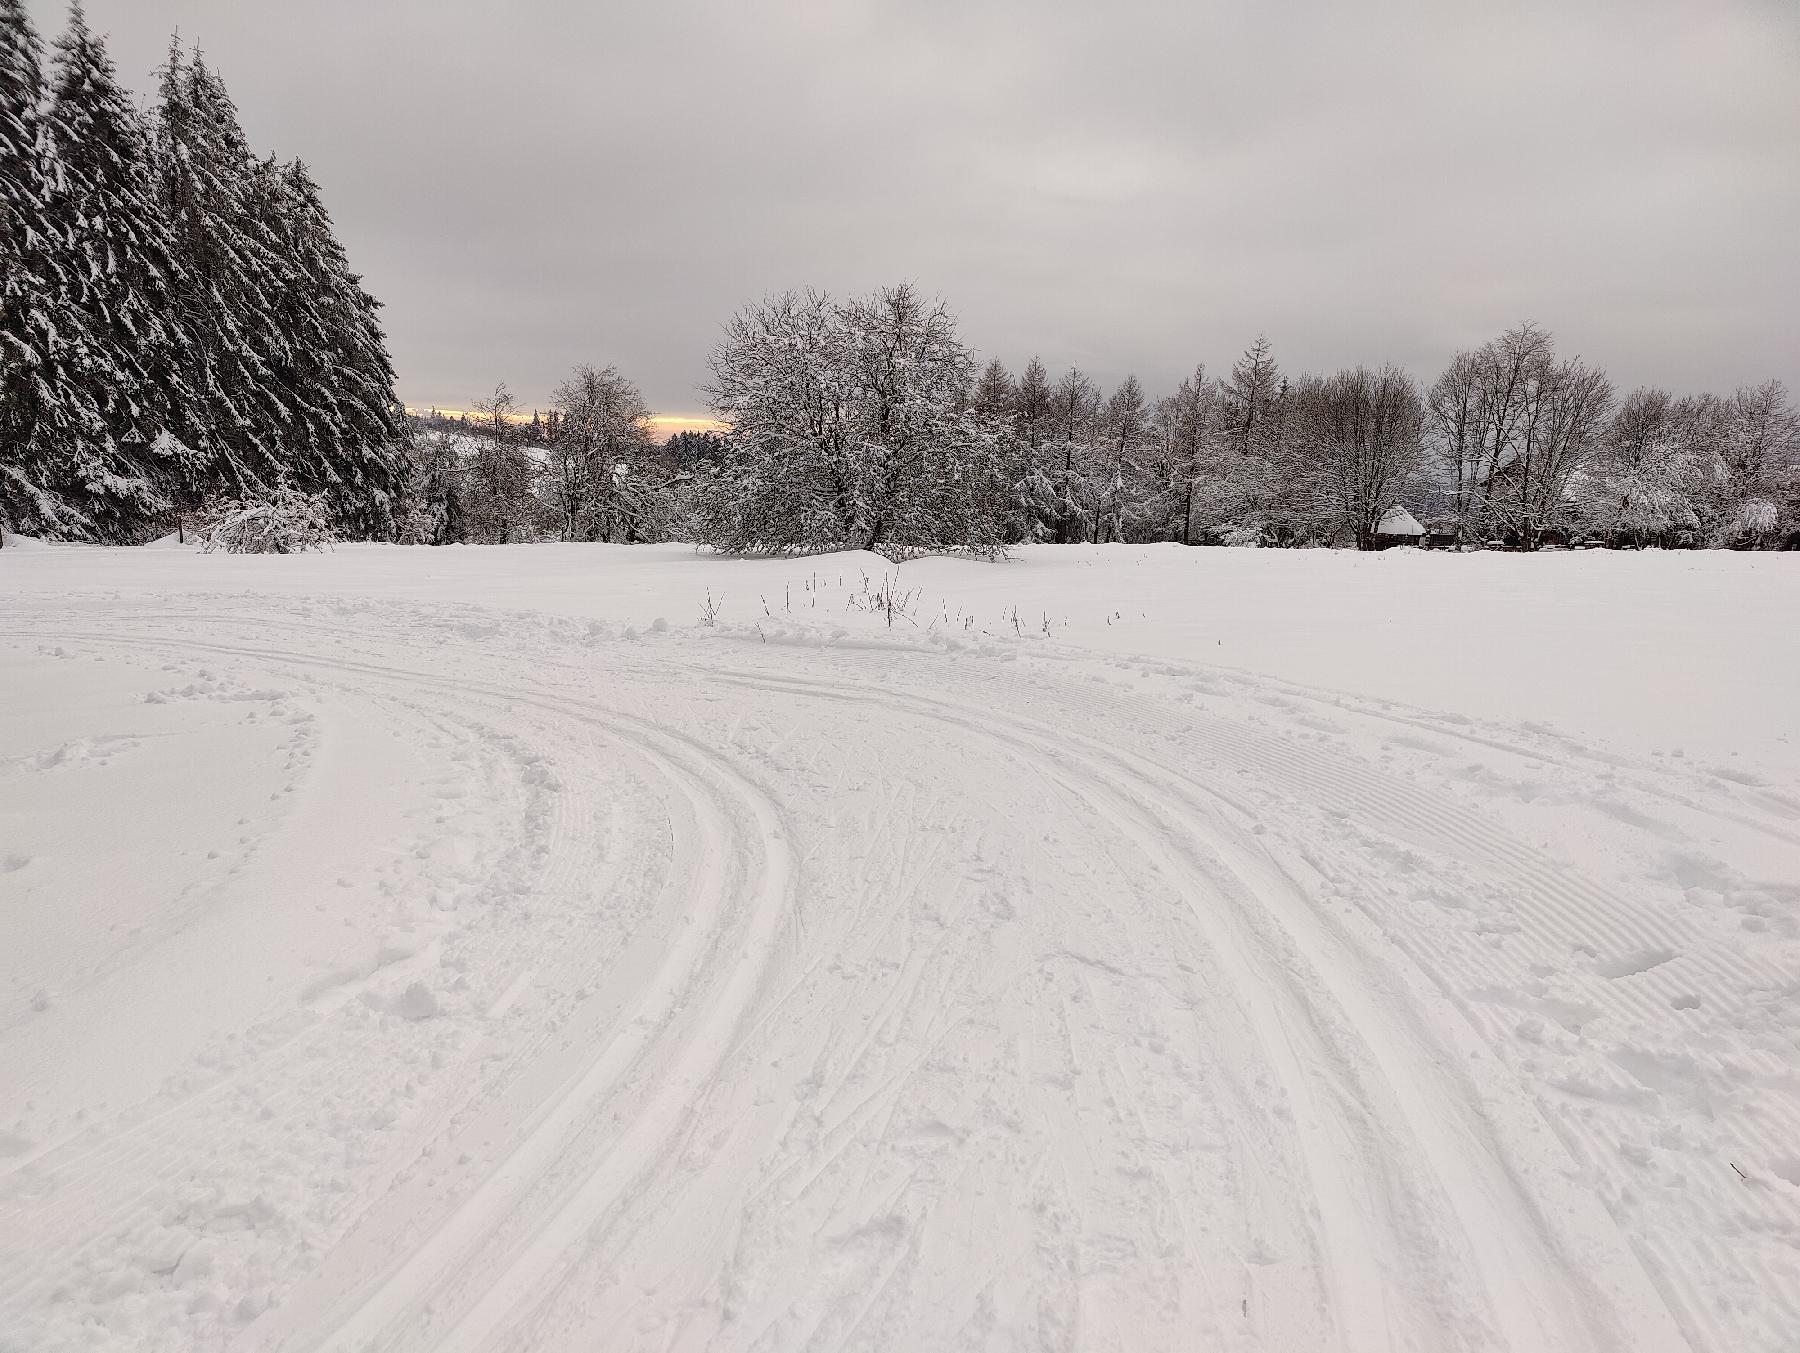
x=286, y=362
x=44, y=407
x=121, y=282
x=344, y=416
x=233, y=277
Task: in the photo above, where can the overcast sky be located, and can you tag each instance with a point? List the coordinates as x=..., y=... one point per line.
x=1128, y=186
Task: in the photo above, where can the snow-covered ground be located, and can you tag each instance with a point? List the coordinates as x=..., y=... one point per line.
x=1123, y=949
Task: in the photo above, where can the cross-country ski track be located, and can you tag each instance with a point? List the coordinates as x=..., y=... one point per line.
x=393, y=972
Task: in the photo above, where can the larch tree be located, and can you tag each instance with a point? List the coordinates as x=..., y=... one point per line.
x=993, y=394
x=1031, y=404
x=1118, y=482
x=1187, y=475
x=1260, y=465
x=1034, y=503
x=1063, y=485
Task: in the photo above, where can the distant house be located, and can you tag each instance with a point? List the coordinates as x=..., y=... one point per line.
x=1398, y=527
x=1442, y=533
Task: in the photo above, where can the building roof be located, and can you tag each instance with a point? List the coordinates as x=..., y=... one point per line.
x=1397, y=521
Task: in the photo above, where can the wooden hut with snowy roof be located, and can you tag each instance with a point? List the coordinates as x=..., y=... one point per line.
x=1398, y=527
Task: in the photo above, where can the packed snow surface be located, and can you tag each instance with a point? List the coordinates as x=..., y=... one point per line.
x=1114, y=948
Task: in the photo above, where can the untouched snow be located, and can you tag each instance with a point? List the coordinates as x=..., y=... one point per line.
x=1126, y=948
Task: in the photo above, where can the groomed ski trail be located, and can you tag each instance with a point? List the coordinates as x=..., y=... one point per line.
x=959, y=1003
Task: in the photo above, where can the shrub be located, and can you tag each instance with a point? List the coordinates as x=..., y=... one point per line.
x=282, y=521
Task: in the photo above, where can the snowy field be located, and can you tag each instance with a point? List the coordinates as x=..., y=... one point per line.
x=1123, y=948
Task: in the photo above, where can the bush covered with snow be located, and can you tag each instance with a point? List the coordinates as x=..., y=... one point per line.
x=1756, y=522
x=851, y=430
x=283, y=521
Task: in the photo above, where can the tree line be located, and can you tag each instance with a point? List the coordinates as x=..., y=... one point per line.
x=868, y=424
x=179, y=328
x=178, y=322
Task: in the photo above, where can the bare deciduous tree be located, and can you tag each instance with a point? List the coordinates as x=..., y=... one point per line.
x=1511, y=426
x=598, y=457
x=499, y=476
x=1757, y=441
x=1642, y=485
x=1363, y=427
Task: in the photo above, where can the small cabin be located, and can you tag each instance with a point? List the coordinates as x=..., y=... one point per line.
x=1398, y=527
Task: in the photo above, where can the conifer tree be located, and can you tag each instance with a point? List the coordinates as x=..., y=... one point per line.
x=339, y=372
x=231, y=278
x=43, y=408
x=120, y=283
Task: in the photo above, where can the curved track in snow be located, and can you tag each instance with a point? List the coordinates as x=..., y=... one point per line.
x=734, y=995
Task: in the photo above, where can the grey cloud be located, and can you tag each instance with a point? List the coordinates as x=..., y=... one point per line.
x=1131, y=186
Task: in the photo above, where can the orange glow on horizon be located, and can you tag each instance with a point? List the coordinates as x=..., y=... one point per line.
x=662, y=425
x=665, y=425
